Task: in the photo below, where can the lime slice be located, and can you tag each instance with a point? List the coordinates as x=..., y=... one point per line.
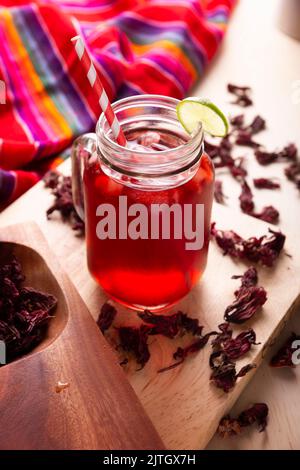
x=192, y=111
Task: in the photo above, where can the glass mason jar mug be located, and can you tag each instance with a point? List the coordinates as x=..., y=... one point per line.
x=146, y=207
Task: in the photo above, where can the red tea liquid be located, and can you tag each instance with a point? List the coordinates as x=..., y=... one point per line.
x=152, y=273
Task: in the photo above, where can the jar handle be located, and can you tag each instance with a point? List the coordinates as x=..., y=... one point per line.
x=82, y=149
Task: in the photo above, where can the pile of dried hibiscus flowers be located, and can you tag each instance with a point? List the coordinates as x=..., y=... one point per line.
x=226, y=348
x=242, y=135
x=24, y=311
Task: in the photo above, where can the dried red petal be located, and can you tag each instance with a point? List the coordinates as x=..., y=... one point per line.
x=218, y=194
x=51, y=179
x=221, y=153
x=268, y=214
x=246, y=198
x=248, y=301
x=237, y=169
x=233, y=348
x=224, y=373
x=249, y=278
x=63, y=203
x=283, y=357
x=161, y=324
x=224, y=335
x=230, y=242
x=265, y=158
x=238, y=90
x=182, y=353
x=238, y=121
x=292, y=172
x=258, y=413
x=265, y=249
x=171, y=325
x=257, y=125
x=135, y=340
x=249, y=298
x=237, y=347
x=106, y=316
x=244, y=138
x=242, y=95
x=229, y=427
x=289, y=152
x=265, y=183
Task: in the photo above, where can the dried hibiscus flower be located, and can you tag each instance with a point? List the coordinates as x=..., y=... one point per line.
x=244, y=138
x=24, y=311
x=242, y=94
x=246, y=198
x=283, y=357
x=249, y=278
x=289, y=152
x=166, y=325
x=135, y=340
x=171, y=325
x=221, y=154
x=264, y=249
x=224, y=373
x=182, y=353
x=229, y=427
x=248, y=300
x=247, y=303
x=62, y=191
x=257, y=413
x=268, y=214
x=218, y=194
x=51, y=179
x=222, y=157
x=292, y=172
x=237, y=170
x=106, y=316
x=238, y=121
x=265, y=183
x=257, y=125
x=234, y=348
x=237, y=347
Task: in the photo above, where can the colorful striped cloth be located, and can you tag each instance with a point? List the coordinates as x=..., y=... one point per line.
x=139, y=46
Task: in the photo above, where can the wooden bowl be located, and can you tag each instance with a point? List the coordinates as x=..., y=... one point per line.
x=98, y=409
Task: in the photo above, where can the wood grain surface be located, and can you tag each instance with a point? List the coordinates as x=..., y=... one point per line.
x=99, y=409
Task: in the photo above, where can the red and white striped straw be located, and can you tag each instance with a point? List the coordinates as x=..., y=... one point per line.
x=95, y=83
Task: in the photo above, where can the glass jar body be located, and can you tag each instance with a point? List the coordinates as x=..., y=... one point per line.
x=146, y=272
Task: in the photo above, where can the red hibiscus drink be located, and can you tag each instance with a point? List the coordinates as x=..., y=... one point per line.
x=147, y=207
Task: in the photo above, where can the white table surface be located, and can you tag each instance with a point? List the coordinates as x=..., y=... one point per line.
x=257, y=54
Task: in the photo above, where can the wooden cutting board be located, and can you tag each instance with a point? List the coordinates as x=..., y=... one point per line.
x=183, y=406
x=99, y=409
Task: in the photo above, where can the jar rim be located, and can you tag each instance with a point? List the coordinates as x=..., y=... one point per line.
x=147, y=99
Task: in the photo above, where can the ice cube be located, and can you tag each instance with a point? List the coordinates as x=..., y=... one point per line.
x=149, y=138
